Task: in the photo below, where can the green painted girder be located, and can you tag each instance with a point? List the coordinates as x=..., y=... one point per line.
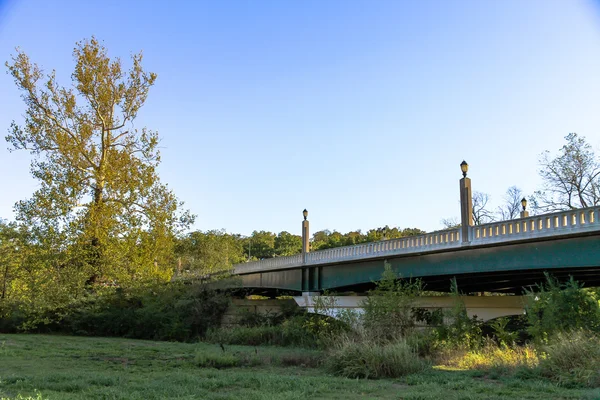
x=574, y=253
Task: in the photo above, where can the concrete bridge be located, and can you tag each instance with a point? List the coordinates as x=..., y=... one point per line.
x=504, y=256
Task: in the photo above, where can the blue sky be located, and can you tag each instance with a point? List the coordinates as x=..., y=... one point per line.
x=359, y=111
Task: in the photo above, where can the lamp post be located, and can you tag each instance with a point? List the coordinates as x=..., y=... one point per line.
x=466, y=203
x=305, y=235
x=524, y=213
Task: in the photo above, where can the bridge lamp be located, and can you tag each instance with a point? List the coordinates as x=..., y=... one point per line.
x=305, y=213
x=524, y=203
x=464, y=167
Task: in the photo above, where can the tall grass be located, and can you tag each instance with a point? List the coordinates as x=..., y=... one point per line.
x=490, y=357
x=573, y=359
x=363, y=359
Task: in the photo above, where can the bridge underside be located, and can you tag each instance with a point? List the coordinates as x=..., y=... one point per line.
x=503, y=268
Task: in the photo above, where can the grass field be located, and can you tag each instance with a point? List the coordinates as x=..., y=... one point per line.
x=61, y=367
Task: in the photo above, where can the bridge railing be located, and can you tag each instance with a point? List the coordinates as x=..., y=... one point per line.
x=554, y=224
x=413, y=244
x=539, y=226
x=269, y=264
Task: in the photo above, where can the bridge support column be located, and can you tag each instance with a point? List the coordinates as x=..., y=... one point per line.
x=466, y=204
x=311, y=279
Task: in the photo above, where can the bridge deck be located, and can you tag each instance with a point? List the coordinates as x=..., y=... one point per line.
x=560, y=224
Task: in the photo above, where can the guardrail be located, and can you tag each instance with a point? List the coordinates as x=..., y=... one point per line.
x=555, y=224
x=413, y=244
x=560, y=223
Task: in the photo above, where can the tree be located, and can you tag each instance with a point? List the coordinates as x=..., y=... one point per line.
x=9, y=257
x=481, y=213
x=450, y=223
x=287, y=244
x=261, y=245
x=561, y=307
x=99, y=190
x=571, y=179
x=209, y=252
x=511, y=208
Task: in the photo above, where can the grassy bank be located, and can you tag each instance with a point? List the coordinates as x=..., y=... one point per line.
x=62, y=367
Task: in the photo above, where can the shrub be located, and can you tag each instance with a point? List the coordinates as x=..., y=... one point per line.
x=388, y=310
x=175, y=311
x=425, y=343
x=557, y=307
x=573, y=359
x=373, y=360
x=458, y=329
x=504, y=337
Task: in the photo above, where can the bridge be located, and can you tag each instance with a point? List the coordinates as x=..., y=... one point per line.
x=504, y=256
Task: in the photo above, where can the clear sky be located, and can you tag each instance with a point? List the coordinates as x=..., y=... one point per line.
x=359, y=111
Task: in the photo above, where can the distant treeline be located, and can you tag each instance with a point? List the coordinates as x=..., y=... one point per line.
x=217, y=250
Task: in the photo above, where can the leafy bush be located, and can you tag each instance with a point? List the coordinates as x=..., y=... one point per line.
x=557, y=307
x=573, y=359
x=388, y=310
x=458, y=329
x=169, y=312
x=373, y=360
x=425, y=343
x=504, y=337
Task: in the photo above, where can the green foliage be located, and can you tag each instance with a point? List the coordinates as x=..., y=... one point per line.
x=504, y=337
x=13, y=248
x=459, y=330
x=81, y=368
x=287, y=244
x=556, y=307
x=373, y=360
x=388, y=310
x=101, y=214
x=249, y=336
x=573, y=359
x=208, y=252
x=261, y=245
x=326, y=239
x=167, y=312
x=302, y=330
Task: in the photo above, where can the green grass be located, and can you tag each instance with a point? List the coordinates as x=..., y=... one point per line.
x=61, y=367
